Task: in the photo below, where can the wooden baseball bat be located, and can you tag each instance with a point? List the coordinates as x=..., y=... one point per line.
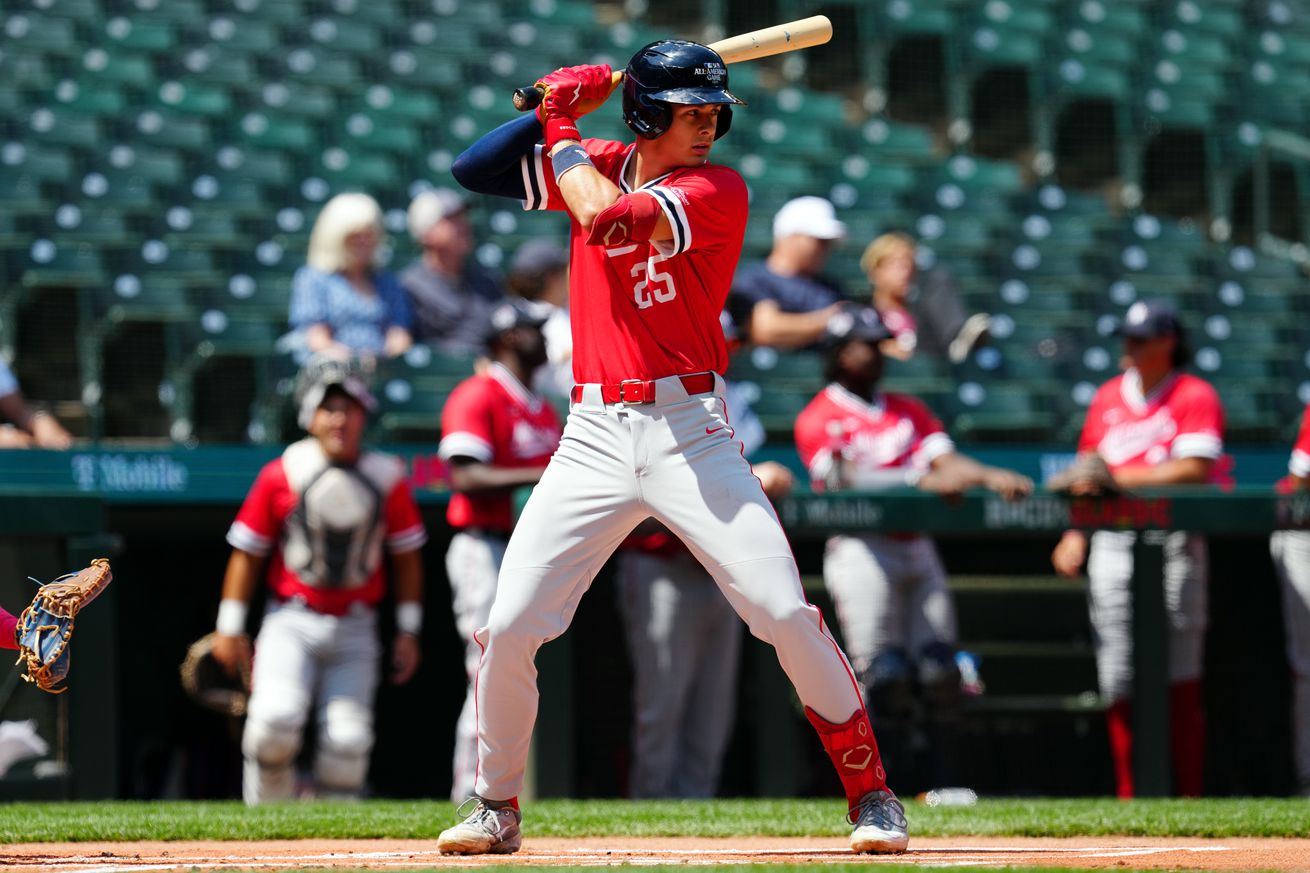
x=799, y=34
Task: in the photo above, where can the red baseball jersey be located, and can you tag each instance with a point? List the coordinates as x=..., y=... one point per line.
x=8, y=624
x=492, y=418
x=265, y=526
x=1299, y=465
x=646, y=310
x=893, y=431
x=1180, y=418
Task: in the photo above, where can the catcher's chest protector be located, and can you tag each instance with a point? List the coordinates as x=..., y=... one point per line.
x=334, y=536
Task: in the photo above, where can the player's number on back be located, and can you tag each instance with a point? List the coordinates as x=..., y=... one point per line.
x=653, y=286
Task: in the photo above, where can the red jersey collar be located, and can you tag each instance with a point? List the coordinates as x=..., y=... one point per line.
x=1130, y=389
x=511, y=383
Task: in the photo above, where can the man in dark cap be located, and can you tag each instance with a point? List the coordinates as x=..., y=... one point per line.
x=1152, y=425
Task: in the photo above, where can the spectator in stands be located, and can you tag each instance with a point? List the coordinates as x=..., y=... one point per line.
x=1291, y=553
x=924, y=313
x=684, y=640
x=896, y=613
x=1152, y=425
x=789, y=300
x=22, y=427
x=342, y=303
x=451, y=295
x=539, y=273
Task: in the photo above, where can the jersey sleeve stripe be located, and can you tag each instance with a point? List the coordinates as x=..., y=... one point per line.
x=677, y=218
x=407, y=540
x=1197, y=445
x=241, y=536
x=534, y=179
x=1299, y=465
x=934, y=445
x=464, y=444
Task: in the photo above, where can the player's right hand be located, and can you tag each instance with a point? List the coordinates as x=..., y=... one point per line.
x=571, y=92
x=232, y=653
x=1070, y=553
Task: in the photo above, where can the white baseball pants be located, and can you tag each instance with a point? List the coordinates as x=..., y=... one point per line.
x=1291, y=553
x=1110, y=593
x=889, y=593
x=302, y=657
x=472, y=565
x=675, y=460
x=685, y=644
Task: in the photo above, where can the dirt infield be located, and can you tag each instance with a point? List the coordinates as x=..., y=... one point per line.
x=1079, y=852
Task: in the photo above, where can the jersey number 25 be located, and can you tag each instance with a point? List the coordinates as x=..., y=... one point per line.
x=652, y=285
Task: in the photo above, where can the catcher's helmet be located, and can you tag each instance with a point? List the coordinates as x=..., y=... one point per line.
x=674, y=71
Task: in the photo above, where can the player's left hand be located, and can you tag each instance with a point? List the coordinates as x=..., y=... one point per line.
x=572, y=92
x=776, y=479
x=1008, y=484
x=406, y=654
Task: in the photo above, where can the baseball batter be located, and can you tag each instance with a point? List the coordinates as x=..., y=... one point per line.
x=1291, y=553
x=1152, y=425
x=896, y=613
x=656, y=232
x=496, y=435
x=318, y=519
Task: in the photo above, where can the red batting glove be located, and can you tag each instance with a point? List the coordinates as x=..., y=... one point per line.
x=571, y=92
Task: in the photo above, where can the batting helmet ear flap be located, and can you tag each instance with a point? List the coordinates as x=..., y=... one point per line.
x=725, y=121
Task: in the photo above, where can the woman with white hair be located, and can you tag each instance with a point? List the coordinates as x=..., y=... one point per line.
x=342, y=302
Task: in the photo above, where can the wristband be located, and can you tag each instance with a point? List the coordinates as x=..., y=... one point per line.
x=558, y=127
x=567, y=158
x=409, y=617
x=231, y=617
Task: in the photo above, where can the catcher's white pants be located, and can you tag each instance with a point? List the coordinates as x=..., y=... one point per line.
x=303, y=657
x=889, y=593
x=1291, y=553
x=685, y=644
x=472, y=565
x=678, y=461
x=1186, y=580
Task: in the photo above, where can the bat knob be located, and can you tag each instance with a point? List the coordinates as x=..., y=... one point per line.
x=527, y=98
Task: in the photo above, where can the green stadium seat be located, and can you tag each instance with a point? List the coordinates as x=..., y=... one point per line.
x=770, y=368
x=218, y=65
x=426, y=367
x=389, y=134
x=102, y=226
x=124, y=189
x=50, y=265
x=194, y=98
x=354, y=171
x=889, y=140
x=276, y=131
x=386, y=102
x=350, y=34
x=407, y=411
x=54, y=36
x=1100, y=49
x=1001, y=413
x=203, y=227
x=915, y=17
x=22, y=194
x=102, y=99
x=271, y=169
x=169, y=129
x=318, y=66
x=245, y=34
x=123, y=66
x=254, y=295
x=64, y=127
x=141, y=34
x=156, y=261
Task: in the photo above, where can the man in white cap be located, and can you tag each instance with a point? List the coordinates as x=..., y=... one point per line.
x=450, y=293
x=317, y=527
x=790, y=301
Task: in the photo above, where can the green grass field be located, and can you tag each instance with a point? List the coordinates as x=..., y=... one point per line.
x=115, y=821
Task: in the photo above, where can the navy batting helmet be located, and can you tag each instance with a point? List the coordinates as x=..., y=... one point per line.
x=674, y=71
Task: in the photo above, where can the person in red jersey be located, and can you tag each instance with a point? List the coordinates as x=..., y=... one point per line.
x=896, y=614
x=1291, y=554
x=315, y=526
x=1152, y=425
x=656, y=232
x=496, y=435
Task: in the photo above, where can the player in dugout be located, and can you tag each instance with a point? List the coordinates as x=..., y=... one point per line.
x=896, y=614
x=656, y=233
x=1152, y=425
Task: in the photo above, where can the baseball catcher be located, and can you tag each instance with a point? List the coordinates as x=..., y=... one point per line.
x=44, y=630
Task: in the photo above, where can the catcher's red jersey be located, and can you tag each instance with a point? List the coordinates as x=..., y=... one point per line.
x=1299, y=465
x=492, y=418
x=647, y=310
x=8, y=624
x=893, y=431
x=262, y=527
x=1180, y=418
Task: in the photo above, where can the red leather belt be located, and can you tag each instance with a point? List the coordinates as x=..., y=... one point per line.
x=633, y=391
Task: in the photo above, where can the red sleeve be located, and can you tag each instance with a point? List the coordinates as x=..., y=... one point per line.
x=539, y=175
x=1094, y=423
x=1300, y=462
x=707, y=209
x=257, y=525
x=405, y=531
x=467, y=425
x=930, y=439
x=8, y=624
x=811, y=435
x=1200, y=418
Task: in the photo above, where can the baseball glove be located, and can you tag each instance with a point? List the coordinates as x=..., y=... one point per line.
x=1088, y=474
x=207, y=683
x=46, y=627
